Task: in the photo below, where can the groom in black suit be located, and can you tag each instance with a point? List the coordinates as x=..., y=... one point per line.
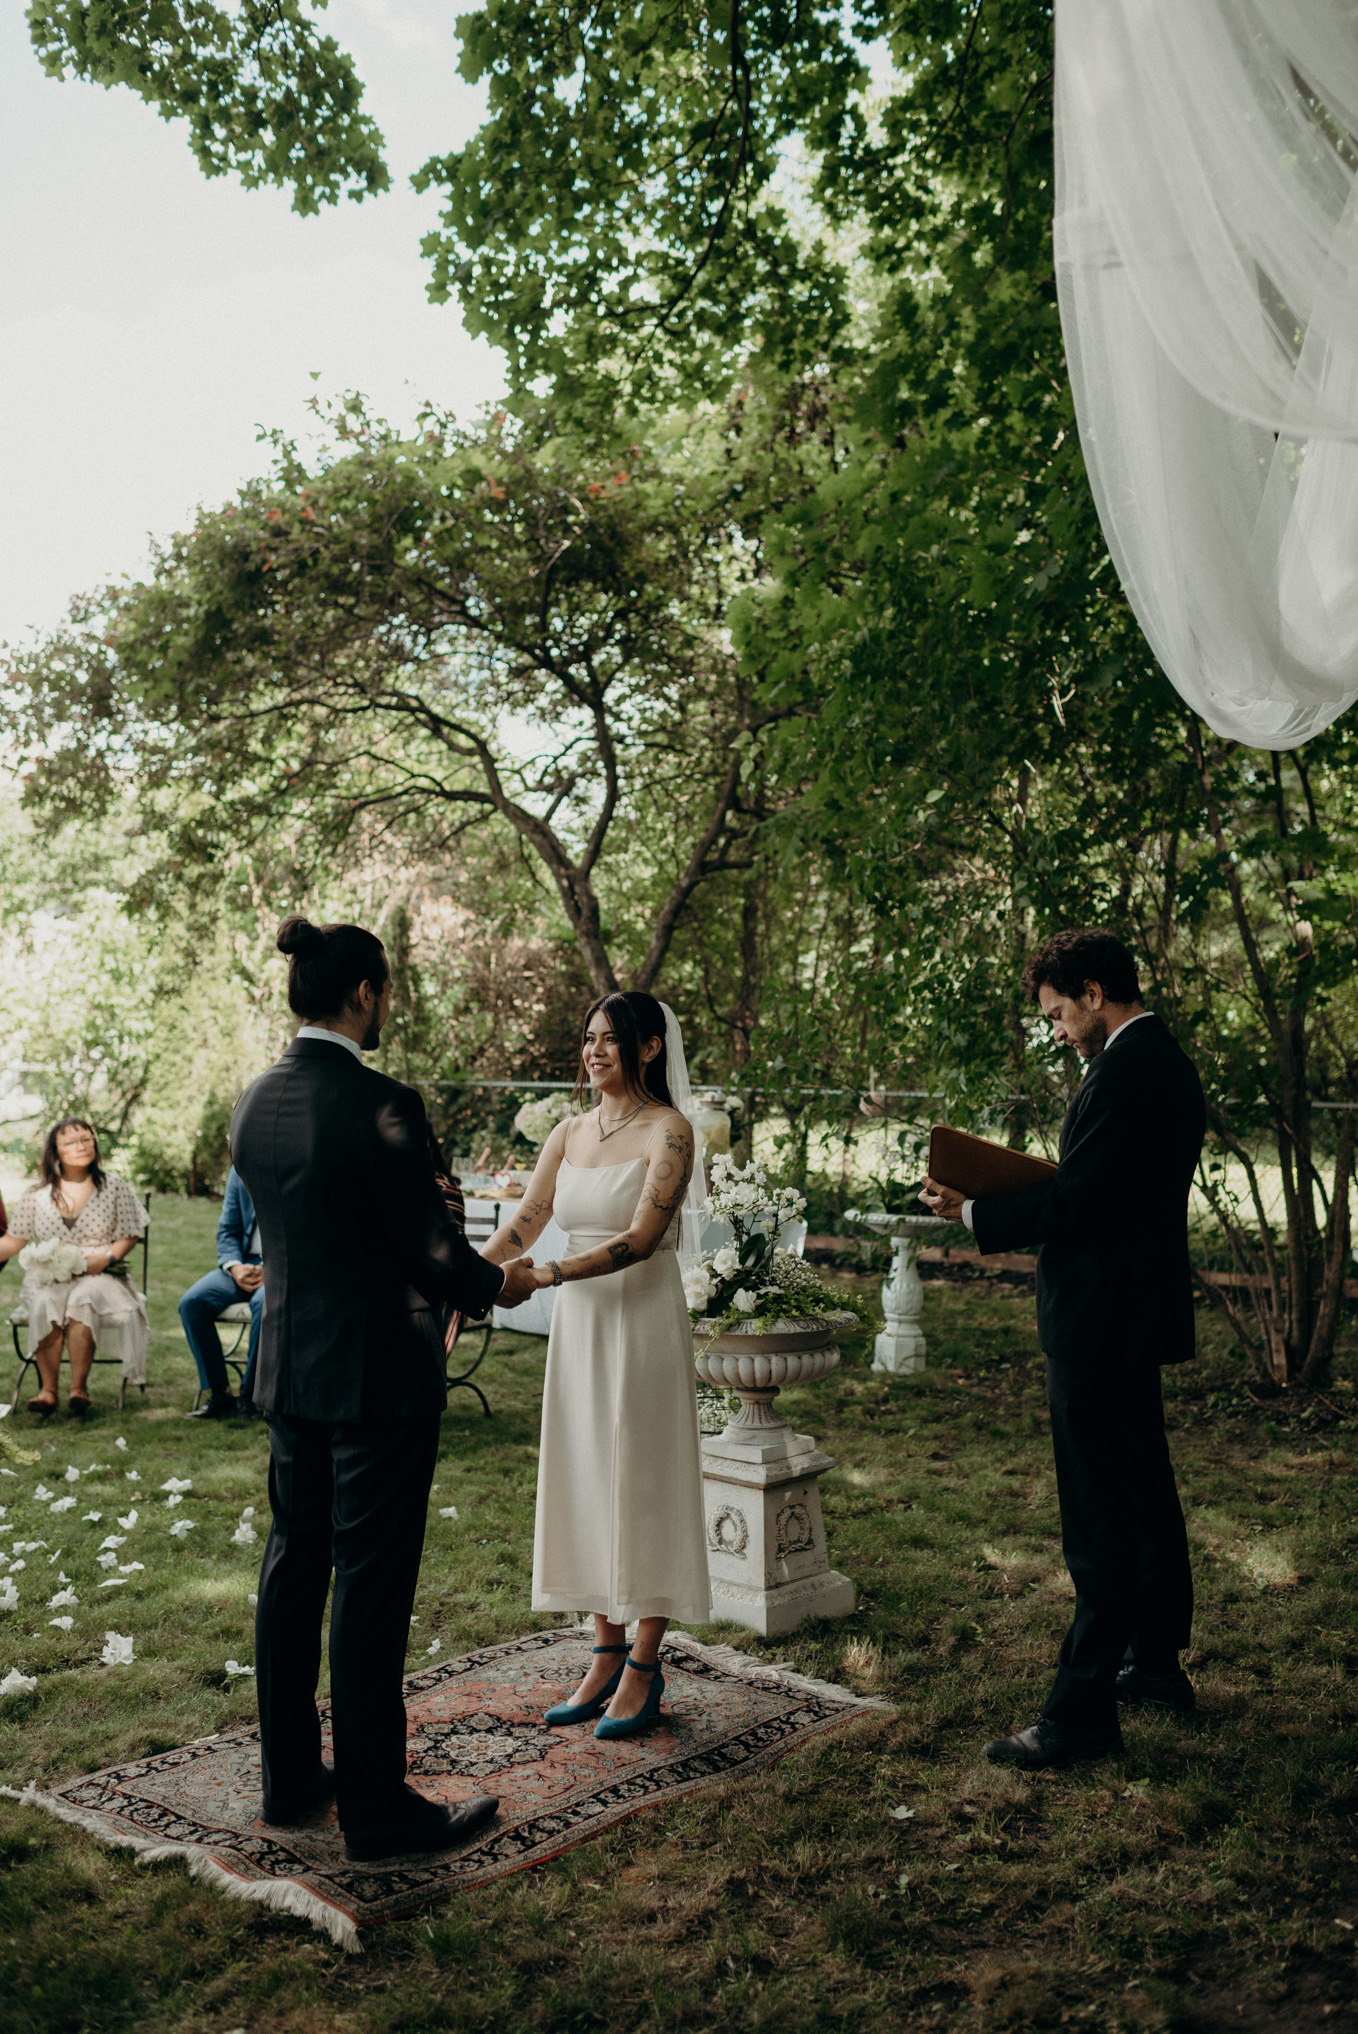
x=359, y=1255
x=1114, y=1302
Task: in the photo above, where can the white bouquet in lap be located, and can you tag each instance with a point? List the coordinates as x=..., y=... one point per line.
x=53, y=1262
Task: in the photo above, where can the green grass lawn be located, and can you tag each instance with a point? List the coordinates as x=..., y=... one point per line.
x=885, y=1877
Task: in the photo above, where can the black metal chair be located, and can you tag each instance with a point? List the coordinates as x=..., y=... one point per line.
x=18, y=1321
x=478, y=1229
x=233, y=1328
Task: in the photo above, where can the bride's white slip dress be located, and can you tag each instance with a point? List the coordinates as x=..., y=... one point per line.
x=620, y=1489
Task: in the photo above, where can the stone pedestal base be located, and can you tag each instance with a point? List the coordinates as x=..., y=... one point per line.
x=766, y=1551
x=899, y=1352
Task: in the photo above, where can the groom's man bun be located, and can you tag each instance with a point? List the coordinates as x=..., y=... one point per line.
x=326, y=964
x=299, y=935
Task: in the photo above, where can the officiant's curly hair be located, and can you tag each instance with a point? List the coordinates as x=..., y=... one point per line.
x=49, y=1168
x=633, y=1017
x=1068, y=960
x=326, y=964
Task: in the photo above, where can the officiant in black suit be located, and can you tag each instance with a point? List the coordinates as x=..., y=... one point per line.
x=359, y=1258
x=1114, y=1302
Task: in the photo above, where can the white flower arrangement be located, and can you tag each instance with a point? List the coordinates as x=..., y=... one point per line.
x=750, y=1280
x=540, y=1115
x=52, y=1262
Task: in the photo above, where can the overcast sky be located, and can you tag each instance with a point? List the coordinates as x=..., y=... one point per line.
x=152, y=320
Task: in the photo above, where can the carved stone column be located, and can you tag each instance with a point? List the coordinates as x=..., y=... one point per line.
x=766, y=1548
x=901, y=1347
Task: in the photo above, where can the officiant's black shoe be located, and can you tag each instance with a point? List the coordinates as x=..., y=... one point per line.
x=1157, y=1691
x=218, y=1405
x=435, y=1829
x=290, y=1808
x=1045, y=1743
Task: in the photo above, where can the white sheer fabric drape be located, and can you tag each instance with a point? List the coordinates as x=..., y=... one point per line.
x=1207, y=268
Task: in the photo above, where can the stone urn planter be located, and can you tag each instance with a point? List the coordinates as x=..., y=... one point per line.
x=901, y=1348
x=766, y=1550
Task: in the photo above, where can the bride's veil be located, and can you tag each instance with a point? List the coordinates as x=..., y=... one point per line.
x=681, y=1093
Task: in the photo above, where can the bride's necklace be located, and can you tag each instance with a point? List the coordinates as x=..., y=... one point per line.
x=621, y=1124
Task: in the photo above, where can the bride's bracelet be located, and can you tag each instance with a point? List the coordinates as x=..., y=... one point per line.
x=558, y=1275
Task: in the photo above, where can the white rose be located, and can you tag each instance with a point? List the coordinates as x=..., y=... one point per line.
x=726, y=1261
x=697, y=1287
x=744, y=1300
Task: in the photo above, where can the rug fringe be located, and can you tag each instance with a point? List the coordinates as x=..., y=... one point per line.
x=751, y=1669
x=282, y=1895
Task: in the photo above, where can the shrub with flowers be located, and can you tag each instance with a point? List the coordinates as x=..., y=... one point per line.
x=540, y=1115
x=750, y=1281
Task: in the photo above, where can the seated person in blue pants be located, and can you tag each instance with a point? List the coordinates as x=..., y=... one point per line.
x=239, y=1276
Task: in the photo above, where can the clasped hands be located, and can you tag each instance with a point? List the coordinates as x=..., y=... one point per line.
x=249, y=1277
x=521, y=1281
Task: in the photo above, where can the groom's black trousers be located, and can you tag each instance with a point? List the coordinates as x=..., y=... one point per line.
x=1122, y=1533
x=353, y=1499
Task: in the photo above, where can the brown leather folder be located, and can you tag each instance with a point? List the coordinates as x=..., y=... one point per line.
x=975, y=1167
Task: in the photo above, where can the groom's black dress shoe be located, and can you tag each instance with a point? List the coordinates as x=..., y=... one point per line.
x=1157, y=1691
x=1045, y=1743
x=419, y=1826
x=283, y=1809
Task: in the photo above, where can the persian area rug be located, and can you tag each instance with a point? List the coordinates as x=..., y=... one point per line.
x=475, y=1728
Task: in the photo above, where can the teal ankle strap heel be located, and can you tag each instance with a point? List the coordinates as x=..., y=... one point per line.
x=647, y=1715
x=583, y=1712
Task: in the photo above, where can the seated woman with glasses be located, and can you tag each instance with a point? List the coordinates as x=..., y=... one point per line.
x=75, y=1201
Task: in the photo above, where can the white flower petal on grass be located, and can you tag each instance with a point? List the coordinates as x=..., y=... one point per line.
x=63, y=1504
x=244, y=1535
x=252, y=1599
x=172, y=1500
x=248, y=1512
x=16, y=1683
x=120, y=1442
x=43, y=1494
x=128, y=1522
x=447, y=1511
x=180, y=1527
x=434, y=1645
x=132, y=1475
x=113, y=1540
x=72, y=1474
x=16, y=1566
x=114, y=1582
x=62, y=1597
x=62, y=1623
x=117, y=1650
x=62, y=1577
x=9, y=1595
x=108, y=1560
x=179, y=1483
x=131, y=1567
x=91, y=1517
x=235, y=1667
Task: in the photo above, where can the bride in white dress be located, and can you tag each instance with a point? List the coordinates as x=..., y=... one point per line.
x=619, y=1510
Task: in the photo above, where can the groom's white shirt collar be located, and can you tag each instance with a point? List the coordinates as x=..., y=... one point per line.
x=333, y=1038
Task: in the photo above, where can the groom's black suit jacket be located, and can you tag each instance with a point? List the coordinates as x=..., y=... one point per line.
x=359, y=1252
x=1113, y=1275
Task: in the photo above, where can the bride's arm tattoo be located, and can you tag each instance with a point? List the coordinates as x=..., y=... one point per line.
x=668, y=1175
